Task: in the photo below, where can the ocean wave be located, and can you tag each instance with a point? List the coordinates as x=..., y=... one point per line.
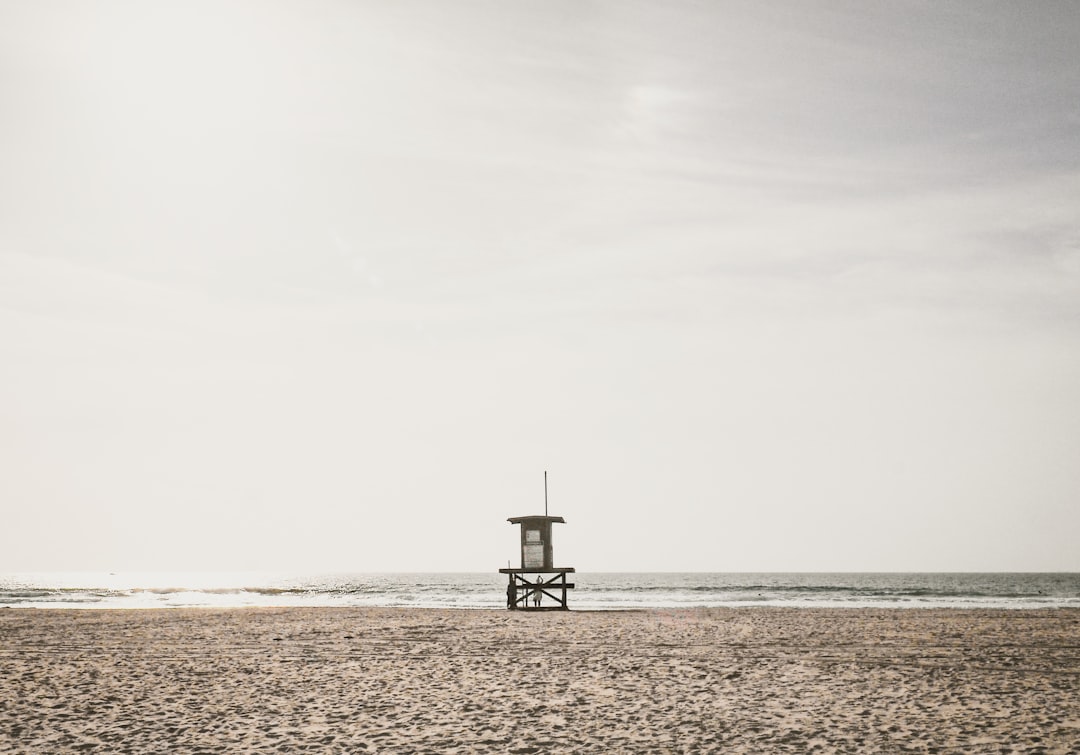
x=594, y=590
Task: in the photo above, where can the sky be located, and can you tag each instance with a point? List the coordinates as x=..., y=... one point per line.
x=327, y=286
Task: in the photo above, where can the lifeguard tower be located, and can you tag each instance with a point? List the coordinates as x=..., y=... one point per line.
x=537, y=576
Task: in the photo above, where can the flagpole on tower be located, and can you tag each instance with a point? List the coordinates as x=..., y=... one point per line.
x=545, y=492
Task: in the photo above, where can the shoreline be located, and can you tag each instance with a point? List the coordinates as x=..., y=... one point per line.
x=457, y=680
x=81, y=608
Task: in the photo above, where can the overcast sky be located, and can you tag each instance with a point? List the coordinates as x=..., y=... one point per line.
x=765, y=286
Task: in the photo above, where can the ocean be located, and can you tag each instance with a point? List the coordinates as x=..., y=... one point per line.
x=594, y=591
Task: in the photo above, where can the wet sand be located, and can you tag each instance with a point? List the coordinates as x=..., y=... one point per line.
x=453, y=681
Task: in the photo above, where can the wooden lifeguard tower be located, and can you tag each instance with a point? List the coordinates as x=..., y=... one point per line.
x=537, y=576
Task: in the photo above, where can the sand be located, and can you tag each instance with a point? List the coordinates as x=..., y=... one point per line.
x=453, y=681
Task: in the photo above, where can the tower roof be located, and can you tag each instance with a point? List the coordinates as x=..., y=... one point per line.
x=536, y=518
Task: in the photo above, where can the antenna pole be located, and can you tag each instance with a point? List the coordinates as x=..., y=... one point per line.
x=545, y=492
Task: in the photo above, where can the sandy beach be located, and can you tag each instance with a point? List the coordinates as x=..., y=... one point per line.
x=457, y=681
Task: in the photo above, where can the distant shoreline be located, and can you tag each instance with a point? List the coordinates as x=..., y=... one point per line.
x=525, y=613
